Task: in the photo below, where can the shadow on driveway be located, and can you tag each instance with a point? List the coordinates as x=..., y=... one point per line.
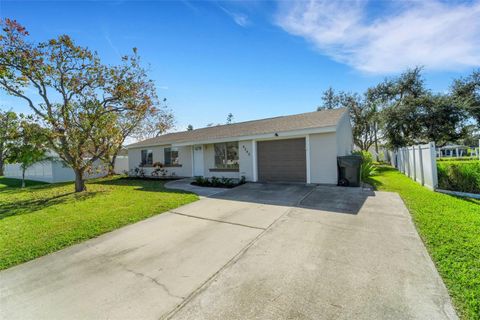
x=325, y=198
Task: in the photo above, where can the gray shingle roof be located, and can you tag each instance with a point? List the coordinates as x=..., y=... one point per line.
x=310, y=120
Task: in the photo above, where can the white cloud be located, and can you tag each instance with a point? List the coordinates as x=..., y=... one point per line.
x=437, y=35
x=239, y=18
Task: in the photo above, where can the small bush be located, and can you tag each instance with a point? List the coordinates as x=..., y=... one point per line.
x=216, y=182
x=368, y=168
x=459, y=176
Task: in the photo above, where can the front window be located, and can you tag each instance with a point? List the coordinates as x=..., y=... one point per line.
x=147, y=158
x=226, y=155
x=171, y=156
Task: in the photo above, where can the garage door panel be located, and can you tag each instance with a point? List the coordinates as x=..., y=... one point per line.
x=282, y=160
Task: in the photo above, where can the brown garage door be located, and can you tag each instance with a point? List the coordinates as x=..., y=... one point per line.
x=282, y=160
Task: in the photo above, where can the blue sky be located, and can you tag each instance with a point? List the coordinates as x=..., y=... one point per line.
x=259, y=59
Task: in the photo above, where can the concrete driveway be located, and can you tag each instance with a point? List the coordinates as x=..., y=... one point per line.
x=253, y=252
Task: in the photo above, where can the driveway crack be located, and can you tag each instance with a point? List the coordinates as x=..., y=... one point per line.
x=215, y=220
x=152, y=279
x=229, y=263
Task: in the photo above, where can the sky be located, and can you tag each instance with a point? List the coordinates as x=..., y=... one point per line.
x=258, y=59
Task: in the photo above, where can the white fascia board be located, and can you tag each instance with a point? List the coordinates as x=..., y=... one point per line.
x=148, y=146
x=260, y=137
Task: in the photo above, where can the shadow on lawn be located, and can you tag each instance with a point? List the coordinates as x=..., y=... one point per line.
x=31, y=205
x=149, y=185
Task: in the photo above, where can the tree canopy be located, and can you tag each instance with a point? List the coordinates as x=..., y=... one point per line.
x=84, y=103
x=400, y=111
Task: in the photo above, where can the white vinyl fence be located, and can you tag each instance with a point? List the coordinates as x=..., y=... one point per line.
x=417, y=162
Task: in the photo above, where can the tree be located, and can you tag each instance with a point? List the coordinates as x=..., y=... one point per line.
x=441, y=120
x=29, y=145
x=8, y=126
x=230, y=118
x=330, y=100
x=411, y=114
x=189, y=127
x=397, y=100
x=136, y=109
x=155, y=123
x=361, y=114
x=466, y=92
x=81, y=99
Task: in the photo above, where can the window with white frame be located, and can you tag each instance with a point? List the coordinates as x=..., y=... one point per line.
x=171, y=156
x=147, y=158
x=226, y=155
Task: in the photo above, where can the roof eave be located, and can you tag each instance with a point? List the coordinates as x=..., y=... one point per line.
x=266, y=136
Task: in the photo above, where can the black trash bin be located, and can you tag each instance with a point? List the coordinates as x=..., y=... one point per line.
x=349, y=170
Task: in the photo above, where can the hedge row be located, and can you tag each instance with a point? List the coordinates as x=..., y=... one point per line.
x=461, y=176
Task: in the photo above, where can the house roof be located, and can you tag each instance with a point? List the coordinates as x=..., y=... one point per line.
x=309, y=120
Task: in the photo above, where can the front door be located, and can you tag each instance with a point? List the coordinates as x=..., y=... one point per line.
x=198, y=160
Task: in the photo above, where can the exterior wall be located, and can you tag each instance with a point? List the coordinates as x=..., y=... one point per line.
x=246, y=160
x=344, y=136
x=121, y=165
x=52, y=171
x=184, y=158
x=323, y=158
x=62, y=173
x=41, y=171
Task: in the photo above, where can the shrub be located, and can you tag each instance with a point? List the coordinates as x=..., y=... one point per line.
x=368, y=168
x=201, y=181
x=215, y=182
x=459, y=176
x=446, y=159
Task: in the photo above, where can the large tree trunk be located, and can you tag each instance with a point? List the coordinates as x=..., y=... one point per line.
x=2, y=165
x=79, y=181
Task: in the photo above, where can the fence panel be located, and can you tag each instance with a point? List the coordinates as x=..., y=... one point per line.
x=417, y=162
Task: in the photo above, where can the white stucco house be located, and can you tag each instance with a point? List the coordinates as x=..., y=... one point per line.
x=296, y=148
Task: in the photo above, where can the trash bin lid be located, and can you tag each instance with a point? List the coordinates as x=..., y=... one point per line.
x=350, y=161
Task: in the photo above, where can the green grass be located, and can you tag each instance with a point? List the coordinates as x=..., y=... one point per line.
x=450, y=229
x=17, y=183
x=44, y=218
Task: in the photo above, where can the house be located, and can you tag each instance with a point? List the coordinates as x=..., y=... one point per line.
x=54, y=170
x=296, y=148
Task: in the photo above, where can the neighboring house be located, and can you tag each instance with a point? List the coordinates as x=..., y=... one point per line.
x=55, y=170
x=297, y=148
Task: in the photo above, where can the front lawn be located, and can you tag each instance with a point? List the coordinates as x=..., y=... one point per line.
x=450, y=229
x=44, y=218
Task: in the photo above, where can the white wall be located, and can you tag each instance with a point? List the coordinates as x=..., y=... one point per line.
x=344, y=136
x=53, y=171
x=62, y=173
x=41, y=171
x=246, y=159
x=121, y=165
x=323, y=158
x=184, y=158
